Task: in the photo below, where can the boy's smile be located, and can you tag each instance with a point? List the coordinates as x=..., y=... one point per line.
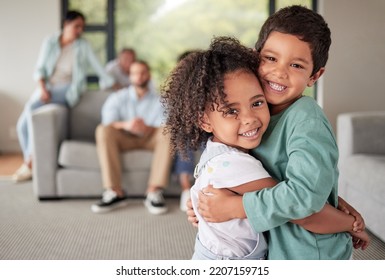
x=285, y=69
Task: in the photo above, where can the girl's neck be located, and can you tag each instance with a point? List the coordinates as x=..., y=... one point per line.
x=214, y=139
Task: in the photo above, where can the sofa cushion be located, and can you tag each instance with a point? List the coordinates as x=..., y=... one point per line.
x=86, y=115
x=78, y=154
x=82, y=154
x=365, y=173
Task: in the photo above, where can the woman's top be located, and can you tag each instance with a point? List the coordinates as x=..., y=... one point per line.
x=83, y=57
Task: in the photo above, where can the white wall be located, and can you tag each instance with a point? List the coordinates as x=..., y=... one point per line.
x=353, y=80
x=355, y=73
x=23, y=26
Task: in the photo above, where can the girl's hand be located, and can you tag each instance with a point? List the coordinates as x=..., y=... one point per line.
x=191, y=217
x=359, y=224
x=360, y=239
x=220, y=205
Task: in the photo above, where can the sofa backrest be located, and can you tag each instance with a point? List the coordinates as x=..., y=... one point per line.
x=86, y=115
x=361, y=133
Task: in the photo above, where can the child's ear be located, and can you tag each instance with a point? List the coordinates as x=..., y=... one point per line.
x=315, y=77
x=204, y=123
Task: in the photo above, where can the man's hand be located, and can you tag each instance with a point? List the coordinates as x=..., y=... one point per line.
x=138, y=127
x=135, y=126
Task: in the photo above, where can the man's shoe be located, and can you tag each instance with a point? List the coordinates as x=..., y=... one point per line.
x=183, y=200
x=110, y=201
x=155, y=203
x=24, y=173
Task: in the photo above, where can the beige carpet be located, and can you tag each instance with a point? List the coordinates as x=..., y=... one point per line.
x=67, y=230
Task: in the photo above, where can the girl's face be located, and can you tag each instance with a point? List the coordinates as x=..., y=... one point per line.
x=73, y=29
x=242, y=121
x=285, y=69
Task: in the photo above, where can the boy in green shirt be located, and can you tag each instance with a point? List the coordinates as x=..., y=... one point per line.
x=298, y=149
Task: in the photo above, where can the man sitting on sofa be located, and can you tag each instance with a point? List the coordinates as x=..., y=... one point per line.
x=132, y=119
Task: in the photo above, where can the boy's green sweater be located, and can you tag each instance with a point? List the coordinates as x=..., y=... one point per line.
x=300, y=151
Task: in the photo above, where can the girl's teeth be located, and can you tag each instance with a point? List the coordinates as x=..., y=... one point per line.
x=250, y=133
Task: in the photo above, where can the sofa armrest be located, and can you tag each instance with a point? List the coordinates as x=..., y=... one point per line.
x=49, y=129
x=361, y=133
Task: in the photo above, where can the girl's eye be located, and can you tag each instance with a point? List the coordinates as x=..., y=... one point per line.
x=231, y=111
x=258, y=103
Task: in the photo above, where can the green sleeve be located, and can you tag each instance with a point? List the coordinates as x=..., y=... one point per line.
x=311, y=176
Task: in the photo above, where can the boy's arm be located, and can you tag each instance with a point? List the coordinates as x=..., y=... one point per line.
x=328, y=220
x=255, y=185
x=211, y=201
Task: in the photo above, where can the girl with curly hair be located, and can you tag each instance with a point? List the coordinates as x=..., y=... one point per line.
x=214, y=98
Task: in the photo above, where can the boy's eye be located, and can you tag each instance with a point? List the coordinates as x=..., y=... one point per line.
x=270, y=58
x=295, y=65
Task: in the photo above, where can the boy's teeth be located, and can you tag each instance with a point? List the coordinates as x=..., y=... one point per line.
x=276, y=86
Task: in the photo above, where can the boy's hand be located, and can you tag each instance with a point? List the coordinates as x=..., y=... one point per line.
x=219, y=205
x=191, y=217
x=360, y=239
x=359, y=224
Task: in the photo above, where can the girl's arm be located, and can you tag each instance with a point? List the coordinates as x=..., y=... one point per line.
x=348, y=209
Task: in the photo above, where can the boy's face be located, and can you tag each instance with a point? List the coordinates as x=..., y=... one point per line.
x=242, y=121
x=285, y=69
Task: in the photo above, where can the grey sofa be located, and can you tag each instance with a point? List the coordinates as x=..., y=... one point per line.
x=361, y=141
x=65, y=159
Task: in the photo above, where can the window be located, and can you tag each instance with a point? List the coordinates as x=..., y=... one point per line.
x=161, y=30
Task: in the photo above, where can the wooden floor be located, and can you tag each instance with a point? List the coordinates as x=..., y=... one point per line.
x=9, y=163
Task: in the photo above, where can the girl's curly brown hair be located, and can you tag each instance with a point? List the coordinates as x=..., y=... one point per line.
x=197, y=84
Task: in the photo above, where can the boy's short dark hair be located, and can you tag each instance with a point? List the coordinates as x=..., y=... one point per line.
x=304, y=23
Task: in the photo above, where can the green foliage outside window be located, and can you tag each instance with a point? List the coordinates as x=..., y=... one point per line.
x=161, y=30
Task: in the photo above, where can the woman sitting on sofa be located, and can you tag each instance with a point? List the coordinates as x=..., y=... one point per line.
x=61, y=74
